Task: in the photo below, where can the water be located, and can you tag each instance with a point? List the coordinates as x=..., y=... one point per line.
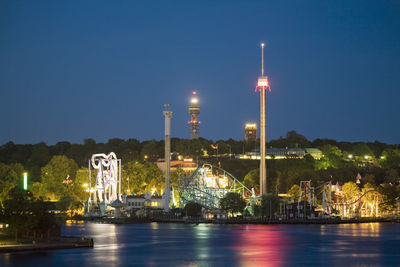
x=373, y=244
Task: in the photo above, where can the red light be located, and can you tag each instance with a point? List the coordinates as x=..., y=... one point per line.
x=194, y=93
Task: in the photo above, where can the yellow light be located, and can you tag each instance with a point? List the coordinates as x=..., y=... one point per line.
x=366, y=156
x=194, y=100
x=350, y=156
x=262, y=44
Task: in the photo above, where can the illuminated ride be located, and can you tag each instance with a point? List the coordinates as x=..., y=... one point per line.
x=365, y=204
x=106, y=191
x=262, y=86
x=208, y=184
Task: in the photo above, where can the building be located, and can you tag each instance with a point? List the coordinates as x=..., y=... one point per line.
x=137, y=202
x=250, y=132
x=194, y=111
x=187, y=165
x=282, y=153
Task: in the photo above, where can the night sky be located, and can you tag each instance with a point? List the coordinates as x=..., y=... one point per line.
x=71, y=70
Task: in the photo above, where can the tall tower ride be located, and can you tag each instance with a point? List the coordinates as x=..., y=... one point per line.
x=167, y=115
x=194, y=111
x=262, y=86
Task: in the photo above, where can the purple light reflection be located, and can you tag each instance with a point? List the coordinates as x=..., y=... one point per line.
x=262, y=245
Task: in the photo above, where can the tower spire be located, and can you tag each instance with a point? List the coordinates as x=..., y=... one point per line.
x=262, y=59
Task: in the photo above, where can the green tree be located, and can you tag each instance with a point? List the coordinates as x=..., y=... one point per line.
x=23, y=213
x=332, y=158
x=150, y=149
x=350, y=190
x=294, y=192
x=392, y=176
x=39, y=157
x=232, y=202
x=42, y=220
x=390, y=159
x=192, y=209
x=80, y=186
x=369, y=197
x=16, y=211
x=362, y=150
x=176, y=175
x=10, y=176
x=58, y=177
x=142, y=177
x=68, y=204
x=389, y=194
x=252, y=179
x=294, y=139
x=269, y=205
x=369, y=178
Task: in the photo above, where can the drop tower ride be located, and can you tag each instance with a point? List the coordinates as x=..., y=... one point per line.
x=262, y=86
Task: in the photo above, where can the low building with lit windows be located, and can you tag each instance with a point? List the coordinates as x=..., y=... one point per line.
x=136, y=202
x=187, y=165
x=282, y=153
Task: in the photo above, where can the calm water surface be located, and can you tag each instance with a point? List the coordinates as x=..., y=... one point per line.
x=373, y=244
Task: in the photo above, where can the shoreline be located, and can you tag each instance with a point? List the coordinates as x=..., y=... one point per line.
x=61, y=243
x=241, y=221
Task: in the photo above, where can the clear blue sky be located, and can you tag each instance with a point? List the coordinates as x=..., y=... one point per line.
x=71, y=70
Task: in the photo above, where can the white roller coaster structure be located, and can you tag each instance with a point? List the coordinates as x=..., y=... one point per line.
x=107, y=187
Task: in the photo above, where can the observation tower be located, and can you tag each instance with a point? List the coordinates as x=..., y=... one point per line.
x=167, y=115
x=262, y=86
x=194, y=111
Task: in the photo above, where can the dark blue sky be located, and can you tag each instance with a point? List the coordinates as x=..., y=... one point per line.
x=71, y=70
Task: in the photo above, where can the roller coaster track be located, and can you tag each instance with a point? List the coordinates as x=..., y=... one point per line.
x=207, y=185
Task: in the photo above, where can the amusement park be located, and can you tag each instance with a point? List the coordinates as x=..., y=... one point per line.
x=199, y=133
x=210, y=192
x=208, y=186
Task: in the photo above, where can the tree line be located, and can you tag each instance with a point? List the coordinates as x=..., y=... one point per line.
x=60, y=171
x=35, y=156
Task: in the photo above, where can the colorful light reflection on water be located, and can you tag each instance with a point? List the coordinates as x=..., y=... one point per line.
x=223, y=245
x=261, y=244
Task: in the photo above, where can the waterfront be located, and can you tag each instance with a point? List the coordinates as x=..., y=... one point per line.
x=155, y=244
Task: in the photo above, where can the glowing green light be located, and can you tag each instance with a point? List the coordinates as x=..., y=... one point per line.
x=25, y=181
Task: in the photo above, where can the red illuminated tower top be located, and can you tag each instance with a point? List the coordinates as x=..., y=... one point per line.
x=194, y=111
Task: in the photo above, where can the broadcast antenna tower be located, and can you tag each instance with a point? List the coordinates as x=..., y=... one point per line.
x=262, y=86
x=194, y=111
